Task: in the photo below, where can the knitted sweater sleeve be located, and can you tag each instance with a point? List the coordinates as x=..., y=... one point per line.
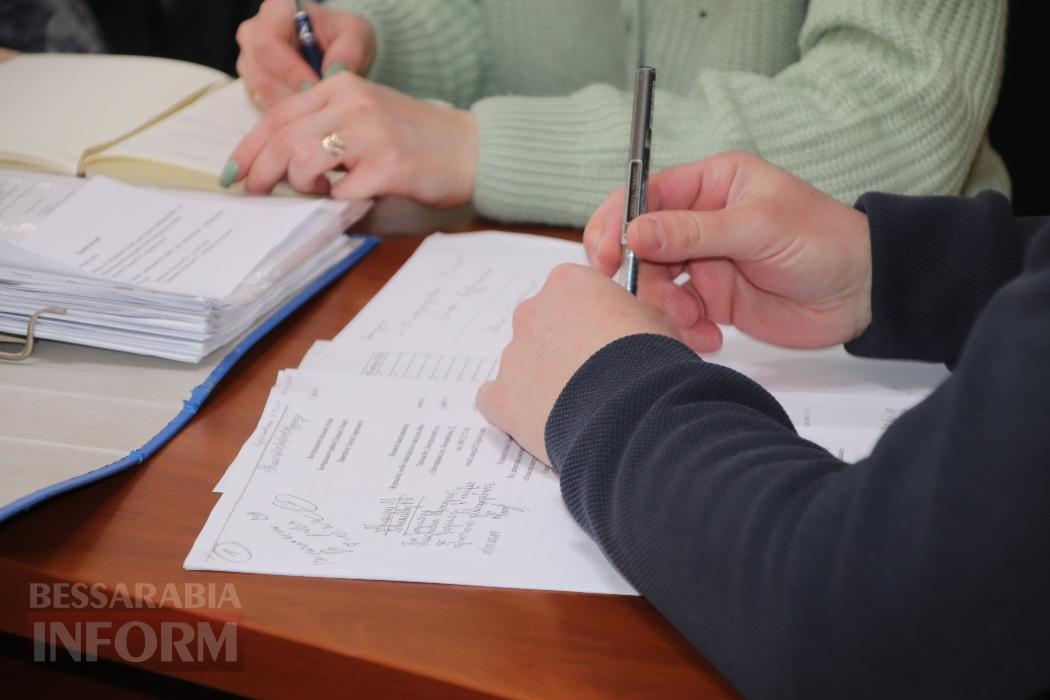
x=428, y=49
x=886, y=94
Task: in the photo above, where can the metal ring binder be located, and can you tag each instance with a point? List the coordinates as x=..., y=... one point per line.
x=29, y=340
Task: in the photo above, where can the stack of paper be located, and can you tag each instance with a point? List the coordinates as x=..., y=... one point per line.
x=370, y=460
x=157, y=272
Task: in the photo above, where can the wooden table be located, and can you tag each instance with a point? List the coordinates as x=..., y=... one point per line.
x=306, y=637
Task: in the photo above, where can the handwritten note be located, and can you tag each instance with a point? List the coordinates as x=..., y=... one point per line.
x=457, y=294
x=361, y=477
x=371, y=461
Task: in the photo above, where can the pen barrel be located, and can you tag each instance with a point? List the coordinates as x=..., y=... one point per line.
x=641, y=114
x=629, y=272
x=308, y=47
x=636, y=196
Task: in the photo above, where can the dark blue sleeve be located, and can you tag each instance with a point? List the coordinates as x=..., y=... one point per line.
x=936, y=262
x=921, y=571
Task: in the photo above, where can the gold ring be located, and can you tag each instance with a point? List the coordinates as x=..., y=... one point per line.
x=333, y=145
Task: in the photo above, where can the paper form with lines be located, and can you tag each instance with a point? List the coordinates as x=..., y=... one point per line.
x=370, y=460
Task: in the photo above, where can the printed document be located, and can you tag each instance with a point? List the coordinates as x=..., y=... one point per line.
x=370, y=461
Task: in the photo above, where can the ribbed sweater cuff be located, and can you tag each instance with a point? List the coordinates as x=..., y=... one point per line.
x=548, y=159
x=429, y=50
x=607, y=372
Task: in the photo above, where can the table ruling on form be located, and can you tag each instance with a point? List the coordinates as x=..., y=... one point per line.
x=371, y=461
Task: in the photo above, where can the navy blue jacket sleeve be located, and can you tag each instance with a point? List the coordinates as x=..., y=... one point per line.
x=936, y=262
x=921, y=571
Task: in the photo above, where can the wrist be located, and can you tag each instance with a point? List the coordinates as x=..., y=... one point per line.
x=861, y=305
x=467, y=153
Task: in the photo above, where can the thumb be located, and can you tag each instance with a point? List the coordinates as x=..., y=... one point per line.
x=345, y=38
x=349, y=51
x=678, y=236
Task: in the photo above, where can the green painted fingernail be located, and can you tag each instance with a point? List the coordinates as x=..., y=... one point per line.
x=337, y=67
x=305, y=86
x=228, y=174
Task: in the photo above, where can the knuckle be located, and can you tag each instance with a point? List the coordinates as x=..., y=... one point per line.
x=271, y=119
x=522, y=316
x=364, y=102
x=277, y=117
x=491, y=399
x=563, y=274
x=283, y=141
x=244, y=32
x=394, y=160
x=693, y=229
x=302, y=157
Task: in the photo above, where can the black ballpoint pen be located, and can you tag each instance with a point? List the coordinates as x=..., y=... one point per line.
x=307, y=42
x=637, y=169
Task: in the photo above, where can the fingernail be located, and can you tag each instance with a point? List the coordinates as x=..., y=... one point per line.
x=228, y=174
x=652, y=233
x=337, y=67
x=305, y=86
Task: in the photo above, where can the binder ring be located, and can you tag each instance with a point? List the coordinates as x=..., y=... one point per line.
x=30, y=338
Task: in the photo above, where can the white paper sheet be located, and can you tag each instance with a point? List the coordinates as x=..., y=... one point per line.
x=370, y=461
x=413, y=487
x=158, y=240
x=199, y=136
x=59, y=106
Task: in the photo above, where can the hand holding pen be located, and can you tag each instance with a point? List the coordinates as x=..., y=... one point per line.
x=273, y=62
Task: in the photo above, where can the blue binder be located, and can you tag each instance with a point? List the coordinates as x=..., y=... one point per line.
x=198, y=396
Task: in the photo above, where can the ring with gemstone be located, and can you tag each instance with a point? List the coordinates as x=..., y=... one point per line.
x=333, y=145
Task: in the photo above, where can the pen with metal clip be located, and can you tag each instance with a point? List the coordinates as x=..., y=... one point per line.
x=637, y=169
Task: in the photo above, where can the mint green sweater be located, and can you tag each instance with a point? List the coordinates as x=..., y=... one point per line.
x=851, y=95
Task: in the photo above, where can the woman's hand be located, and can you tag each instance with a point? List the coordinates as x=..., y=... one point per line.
x=391, y=144
x=576, y=313
x=765, y=252
x=270, y=63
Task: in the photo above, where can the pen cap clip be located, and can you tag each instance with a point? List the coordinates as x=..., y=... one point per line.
x=642, y=113
x=641, y=135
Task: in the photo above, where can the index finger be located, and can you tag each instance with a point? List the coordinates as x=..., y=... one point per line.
x=698, y=186
x=604, y=254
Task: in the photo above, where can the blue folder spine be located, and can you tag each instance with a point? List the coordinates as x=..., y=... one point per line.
x=199, y=395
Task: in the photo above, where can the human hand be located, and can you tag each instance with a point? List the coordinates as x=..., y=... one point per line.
x=393, y=144
x=765, y=251
x=270, y=63
x=576, y=313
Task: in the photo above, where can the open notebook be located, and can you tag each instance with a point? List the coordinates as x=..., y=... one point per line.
x=174, y=124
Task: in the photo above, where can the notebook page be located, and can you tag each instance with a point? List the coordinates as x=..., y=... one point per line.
x=110, y=96
x=198, y=137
